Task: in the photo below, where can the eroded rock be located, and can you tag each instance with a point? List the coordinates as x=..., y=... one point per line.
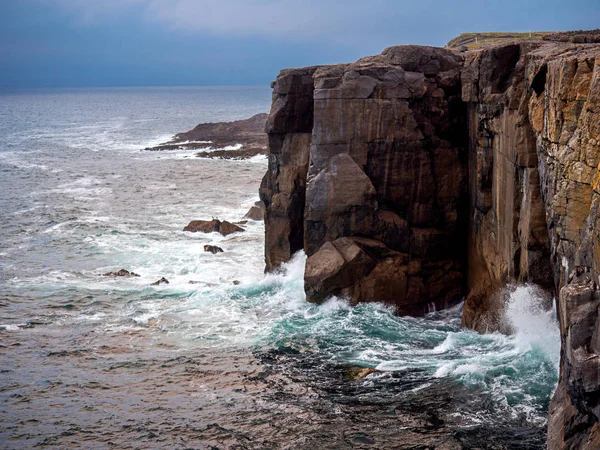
x=212, y=226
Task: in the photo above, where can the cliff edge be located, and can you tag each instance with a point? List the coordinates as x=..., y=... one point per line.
x=423, y=176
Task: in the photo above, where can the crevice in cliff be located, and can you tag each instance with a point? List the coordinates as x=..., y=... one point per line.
x=539, y=81
x=506, y=59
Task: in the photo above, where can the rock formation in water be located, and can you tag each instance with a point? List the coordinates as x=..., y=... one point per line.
x=422, y=176
x=212, y=226
x=217, y=139
x=358, y=178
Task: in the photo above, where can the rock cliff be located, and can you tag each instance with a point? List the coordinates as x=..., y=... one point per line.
x=358, y=177
x=534, y=174
x=423, y=176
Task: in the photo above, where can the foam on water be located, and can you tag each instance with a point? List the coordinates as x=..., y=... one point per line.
x=98, y=212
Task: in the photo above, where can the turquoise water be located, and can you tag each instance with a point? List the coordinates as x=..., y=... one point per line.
x=81, y=198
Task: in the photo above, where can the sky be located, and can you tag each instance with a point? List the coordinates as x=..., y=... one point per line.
x=85, y=43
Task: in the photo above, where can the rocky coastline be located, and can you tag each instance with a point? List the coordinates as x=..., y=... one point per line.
x=240, y=139
x=424, y=176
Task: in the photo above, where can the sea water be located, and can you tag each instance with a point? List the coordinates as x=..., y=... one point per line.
x=238, y=359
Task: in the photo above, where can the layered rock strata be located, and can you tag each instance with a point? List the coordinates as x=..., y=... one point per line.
x=422, y=175
x=358, y=178
x=534, y=174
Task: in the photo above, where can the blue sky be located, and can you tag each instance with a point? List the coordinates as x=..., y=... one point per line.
x=47, y=43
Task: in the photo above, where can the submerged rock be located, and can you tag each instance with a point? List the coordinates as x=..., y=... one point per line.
x=121, y=273
x=163, y=280
x=211, y=226
x=213, y=249
x=203, y=282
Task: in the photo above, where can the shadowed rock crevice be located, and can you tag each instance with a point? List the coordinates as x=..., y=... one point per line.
x=283, y=188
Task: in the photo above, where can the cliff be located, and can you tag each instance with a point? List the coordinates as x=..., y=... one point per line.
x=423, y=176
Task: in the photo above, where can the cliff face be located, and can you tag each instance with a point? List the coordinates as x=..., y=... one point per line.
x=534, y=174
x=377, y=208
x=508, y=239
x=420, y=176
x=566, y=118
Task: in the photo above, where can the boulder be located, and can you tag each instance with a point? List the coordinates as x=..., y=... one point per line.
x=121, y=273
x=357, y=268
x=213, y=249
x=212, y=226
x=256, y=212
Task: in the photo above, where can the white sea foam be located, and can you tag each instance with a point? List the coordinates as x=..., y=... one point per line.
x=13, y=326
x=534, y=323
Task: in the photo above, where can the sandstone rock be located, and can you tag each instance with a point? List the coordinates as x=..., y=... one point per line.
x=420, y=175
x=121, y=273
x=379, y=135
x=163, y=280
x=213, y=249
x=211, y=226
x=575, y=407
x=256, y=212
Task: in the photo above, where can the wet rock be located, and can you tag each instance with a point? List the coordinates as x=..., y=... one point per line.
x=256, y=212
x=211, y=226
x=121, y=273
x=163, y=280
x=213, y=249
x=437, y=174
x=575, y=406
x=248, y=134
x=358, y=373
x=237, y=282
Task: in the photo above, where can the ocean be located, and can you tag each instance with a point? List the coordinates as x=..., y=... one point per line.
x=238, y=359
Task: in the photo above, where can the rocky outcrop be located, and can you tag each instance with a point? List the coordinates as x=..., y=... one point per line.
x=212, y=226
x=575, y=408
x=240, y=139
x=376, y=203
x=534, y=155
x=422, y=175
x=162, y=281
x=213, y=249
x=283, y=188
x=565, y=114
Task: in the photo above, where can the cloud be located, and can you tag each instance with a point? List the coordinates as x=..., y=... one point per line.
x=335, y=20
